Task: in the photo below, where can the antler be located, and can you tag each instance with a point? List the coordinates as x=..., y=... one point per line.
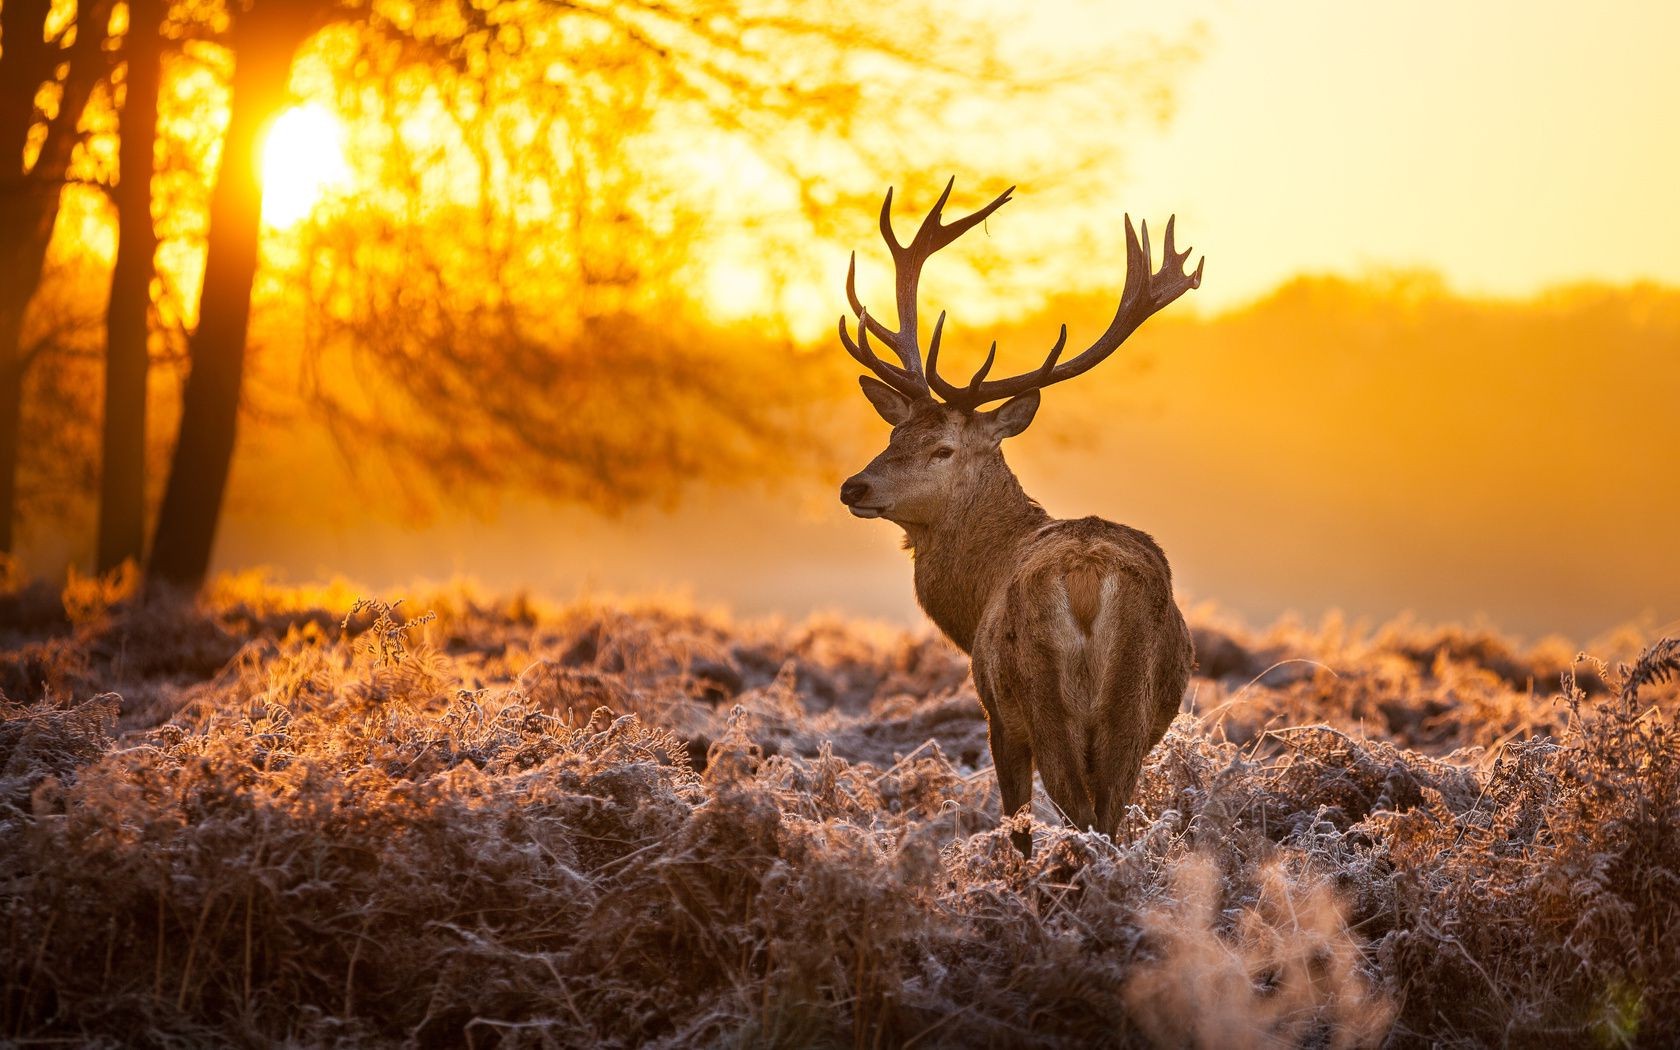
x=1147, y=291
x=907, y=377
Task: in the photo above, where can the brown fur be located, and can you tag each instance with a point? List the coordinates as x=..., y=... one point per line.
x=1083, y=584
x=1080, y=655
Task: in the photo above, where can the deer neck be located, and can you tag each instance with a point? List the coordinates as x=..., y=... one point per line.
x=966, y=555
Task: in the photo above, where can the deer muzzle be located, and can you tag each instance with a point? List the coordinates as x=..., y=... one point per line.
x=855, y=494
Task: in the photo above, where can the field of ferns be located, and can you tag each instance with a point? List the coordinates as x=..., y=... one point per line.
x=312, y=817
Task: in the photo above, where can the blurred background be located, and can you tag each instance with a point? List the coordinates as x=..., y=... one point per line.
x=543, y=295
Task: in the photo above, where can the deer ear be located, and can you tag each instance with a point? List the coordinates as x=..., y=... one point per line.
x=1013, y=415
x=893, y=406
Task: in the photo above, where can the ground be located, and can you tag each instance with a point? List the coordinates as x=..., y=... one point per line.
x=279, y=814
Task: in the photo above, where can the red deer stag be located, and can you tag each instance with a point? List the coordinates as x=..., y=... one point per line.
x=1079, y=653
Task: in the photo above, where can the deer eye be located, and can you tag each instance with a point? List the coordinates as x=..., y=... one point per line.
x=944, y=453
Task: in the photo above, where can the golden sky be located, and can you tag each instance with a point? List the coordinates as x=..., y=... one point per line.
x=1509, y=145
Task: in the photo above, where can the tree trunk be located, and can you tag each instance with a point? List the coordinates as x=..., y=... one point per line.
x=11, y=411
x=22, y=67
x=265, y=39
x=122, y=479
x=29, y=196
x=24, y=64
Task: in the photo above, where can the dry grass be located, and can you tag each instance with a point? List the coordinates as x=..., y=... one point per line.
x=257, y=820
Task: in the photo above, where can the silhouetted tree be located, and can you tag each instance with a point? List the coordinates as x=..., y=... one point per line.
x=72, y=62
x=263, y=39
x=122, y=478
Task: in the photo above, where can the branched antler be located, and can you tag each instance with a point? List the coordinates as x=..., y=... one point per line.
x=1147, y=291
x=907, y=377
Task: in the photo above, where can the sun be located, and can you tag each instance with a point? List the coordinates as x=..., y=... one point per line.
x=302, y=159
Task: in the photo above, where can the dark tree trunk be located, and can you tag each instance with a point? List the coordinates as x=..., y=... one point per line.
x=22, y=68
x=24, y=64
x=122, y=479
x=264, y=40
x=11, y=411
x=29, y=197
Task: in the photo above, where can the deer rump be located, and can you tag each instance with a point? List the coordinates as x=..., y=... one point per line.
x=1073, y=663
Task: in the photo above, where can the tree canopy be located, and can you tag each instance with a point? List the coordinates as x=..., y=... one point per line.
x=566, y=240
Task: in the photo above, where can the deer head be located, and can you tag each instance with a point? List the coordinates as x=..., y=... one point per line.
x=944, y=449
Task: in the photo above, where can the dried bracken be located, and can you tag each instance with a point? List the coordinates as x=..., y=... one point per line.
x=261, y=820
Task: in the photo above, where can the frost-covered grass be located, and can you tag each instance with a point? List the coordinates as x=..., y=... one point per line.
x=257, y=819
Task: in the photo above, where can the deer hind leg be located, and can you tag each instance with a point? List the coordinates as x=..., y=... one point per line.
x=1065, y=696
x=1061, y=762
x=1116, y=762
x=1058, y=740
x=1123, y=736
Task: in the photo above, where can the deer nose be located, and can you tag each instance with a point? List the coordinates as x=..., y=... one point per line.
x=853, y=491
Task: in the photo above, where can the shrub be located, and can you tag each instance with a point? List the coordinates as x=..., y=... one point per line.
x=510, y=825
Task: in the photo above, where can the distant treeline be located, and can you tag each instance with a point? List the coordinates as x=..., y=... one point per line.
x=1385, y=443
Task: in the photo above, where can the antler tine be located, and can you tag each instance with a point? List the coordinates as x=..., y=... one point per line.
x=1137, y=264
x=1146, y=292
x=911, y=360
x=935, y=383
x=985, y=369
x=1055, y=352
x=932, y=217
x=942, y=235
x=1178, y=259
x=977, y=392
x=886, y=225
x=906, y=383
x=909, y=375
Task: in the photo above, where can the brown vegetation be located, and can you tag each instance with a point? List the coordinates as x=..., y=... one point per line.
x=255, y=819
